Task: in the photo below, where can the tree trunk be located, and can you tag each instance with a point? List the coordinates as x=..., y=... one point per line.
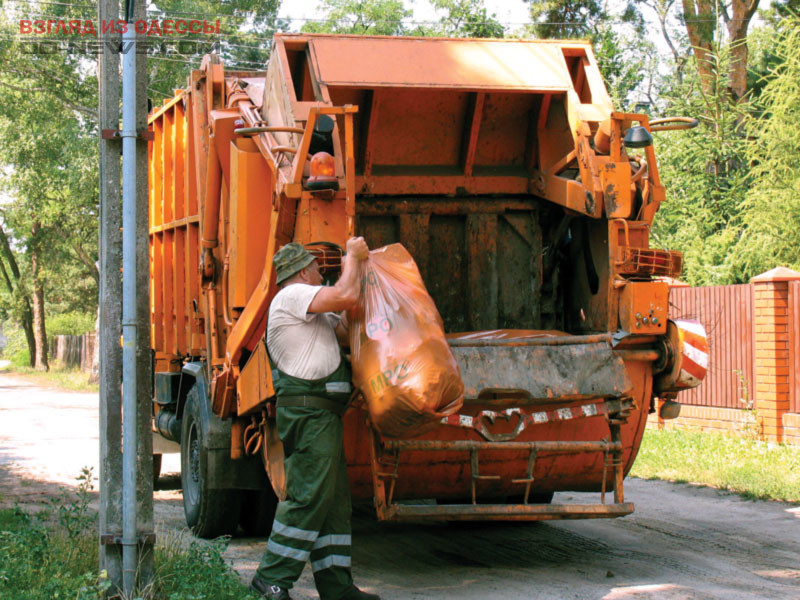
x=700, y=18
x=27, y=327
x=39, y=332
x=742, y=12
x=25, y=316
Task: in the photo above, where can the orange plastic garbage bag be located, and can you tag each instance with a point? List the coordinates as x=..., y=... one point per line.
x=401, y=361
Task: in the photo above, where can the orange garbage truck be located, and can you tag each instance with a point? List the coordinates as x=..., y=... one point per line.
x=526, y=201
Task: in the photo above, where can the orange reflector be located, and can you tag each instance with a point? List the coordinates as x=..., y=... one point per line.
x=323, y=173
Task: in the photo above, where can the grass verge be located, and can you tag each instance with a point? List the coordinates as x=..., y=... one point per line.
x=751, y=468
x=54, y=554
x=73, y=380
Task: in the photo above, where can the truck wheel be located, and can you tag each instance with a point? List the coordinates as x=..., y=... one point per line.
x=209, y=513
x=258, y=511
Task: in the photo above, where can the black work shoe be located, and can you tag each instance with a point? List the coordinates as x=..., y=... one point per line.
x=357, y=594
x=269, y=591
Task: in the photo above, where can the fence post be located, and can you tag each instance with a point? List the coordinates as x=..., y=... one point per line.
x=773, y=354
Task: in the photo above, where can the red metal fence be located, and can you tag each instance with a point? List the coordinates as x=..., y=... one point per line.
x=726, y=311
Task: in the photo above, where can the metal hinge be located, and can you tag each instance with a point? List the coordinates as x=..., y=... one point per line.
x=110, y=539
x=116, y=134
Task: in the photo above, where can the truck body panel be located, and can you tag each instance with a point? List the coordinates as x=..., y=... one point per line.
x=500, y=166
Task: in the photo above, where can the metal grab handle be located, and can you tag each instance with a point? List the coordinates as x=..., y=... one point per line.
x=268, y=129
x=679, y=124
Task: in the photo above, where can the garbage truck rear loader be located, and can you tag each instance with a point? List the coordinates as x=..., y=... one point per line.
x=526, y=201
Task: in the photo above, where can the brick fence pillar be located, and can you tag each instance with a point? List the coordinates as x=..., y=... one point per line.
x=772, y=352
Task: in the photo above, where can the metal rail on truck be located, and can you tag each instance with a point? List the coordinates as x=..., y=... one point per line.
x=385, y=454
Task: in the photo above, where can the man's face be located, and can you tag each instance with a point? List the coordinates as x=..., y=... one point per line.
x=312, y=274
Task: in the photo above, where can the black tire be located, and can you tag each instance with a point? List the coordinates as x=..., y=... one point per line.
x=209, y=513
x=258, y=511
x=156, y=468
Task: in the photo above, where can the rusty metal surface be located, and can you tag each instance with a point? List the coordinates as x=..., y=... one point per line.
x=467, y=445
x=437, y=63
x=726, y=312
x=544, y=373
x=543, y=339
x=445, y=474
x=507, y=512
x=386, y=457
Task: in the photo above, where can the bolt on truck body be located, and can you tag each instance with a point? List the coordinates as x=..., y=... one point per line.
x=526, y=201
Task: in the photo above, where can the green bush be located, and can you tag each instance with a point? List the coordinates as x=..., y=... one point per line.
x=198, y=572
x=71, y=323
x=53, y=554
x=41, y=561
x=16, y=349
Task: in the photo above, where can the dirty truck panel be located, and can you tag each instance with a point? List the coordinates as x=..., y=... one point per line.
x=526, y=201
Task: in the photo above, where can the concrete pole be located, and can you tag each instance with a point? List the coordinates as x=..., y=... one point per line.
x=110, y=318
x=110, y=302
x=144, y=355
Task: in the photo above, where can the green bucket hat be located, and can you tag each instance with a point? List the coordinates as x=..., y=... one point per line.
x=291, y=259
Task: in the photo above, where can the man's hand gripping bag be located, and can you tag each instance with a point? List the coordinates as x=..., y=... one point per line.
x=401, y=361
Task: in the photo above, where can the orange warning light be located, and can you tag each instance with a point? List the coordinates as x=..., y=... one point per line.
x=323, y=173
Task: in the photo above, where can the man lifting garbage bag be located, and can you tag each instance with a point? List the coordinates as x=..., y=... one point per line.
x=402, y=363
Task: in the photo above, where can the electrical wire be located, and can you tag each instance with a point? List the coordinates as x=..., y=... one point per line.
x=252, y=14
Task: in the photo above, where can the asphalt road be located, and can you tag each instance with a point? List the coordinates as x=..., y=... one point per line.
x=682, y=542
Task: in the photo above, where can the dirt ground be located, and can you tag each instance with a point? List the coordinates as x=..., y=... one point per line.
x=682, y=542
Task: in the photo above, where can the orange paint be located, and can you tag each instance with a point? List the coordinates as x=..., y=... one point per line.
x=473, y=154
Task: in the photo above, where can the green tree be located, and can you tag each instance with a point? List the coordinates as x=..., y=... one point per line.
x=706, y=176
x=624, y=61
x=244, y=42
x=363, y=17
x=565, y=18
x=457, y=18
x=703, y=20
x=47, y=141
x=465, y=18
x=621, y=48
x=772, y=207
x=48, y=146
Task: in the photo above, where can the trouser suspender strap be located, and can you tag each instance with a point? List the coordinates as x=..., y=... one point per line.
x=312, y=402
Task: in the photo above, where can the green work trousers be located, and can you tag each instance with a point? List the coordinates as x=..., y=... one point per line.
x=313, y=523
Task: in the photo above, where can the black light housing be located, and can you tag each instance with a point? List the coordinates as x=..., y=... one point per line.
x=322, y=136
x=638, y=137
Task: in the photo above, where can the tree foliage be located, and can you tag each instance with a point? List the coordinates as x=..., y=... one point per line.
x=623, y=52
x=705, y=171
x=465, y=18
x=373, y=17
x=244, y=43
x=771, y=212
x=47, y=150
x=48, y=144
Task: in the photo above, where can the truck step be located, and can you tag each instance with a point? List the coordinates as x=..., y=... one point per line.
x=505, y=512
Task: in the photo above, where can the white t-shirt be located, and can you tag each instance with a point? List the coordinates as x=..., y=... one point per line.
x=302, y=344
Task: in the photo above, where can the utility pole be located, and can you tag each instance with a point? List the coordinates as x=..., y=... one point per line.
x=144, y=354
x=126, y=482
x=110, y=509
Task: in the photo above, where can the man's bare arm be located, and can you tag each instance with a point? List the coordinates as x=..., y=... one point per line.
x=344, y=294
x=342, y=334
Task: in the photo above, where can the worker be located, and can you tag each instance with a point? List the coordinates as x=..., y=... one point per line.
x=312, y=380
